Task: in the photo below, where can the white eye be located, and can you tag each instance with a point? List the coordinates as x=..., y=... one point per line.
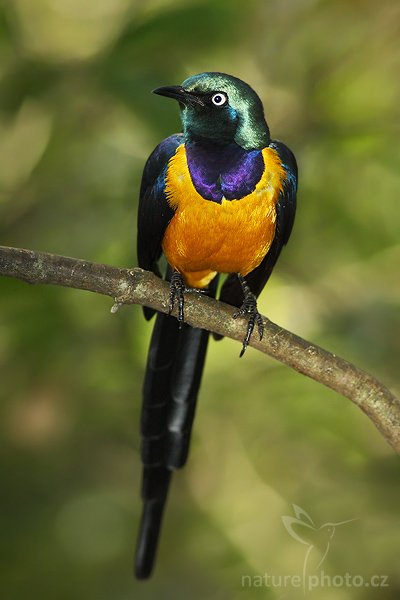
x=219, y=99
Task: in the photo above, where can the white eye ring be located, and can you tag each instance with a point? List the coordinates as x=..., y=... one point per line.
x=219, y=99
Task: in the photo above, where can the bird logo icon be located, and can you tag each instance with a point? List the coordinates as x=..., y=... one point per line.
x=318, y=539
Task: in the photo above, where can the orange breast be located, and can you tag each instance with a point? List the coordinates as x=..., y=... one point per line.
x=205, y=238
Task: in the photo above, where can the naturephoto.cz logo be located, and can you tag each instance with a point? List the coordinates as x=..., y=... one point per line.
x=317, y=540
x=311, y=582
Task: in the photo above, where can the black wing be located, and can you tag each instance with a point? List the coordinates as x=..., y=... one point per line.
x=154, y=212
x=231, y=291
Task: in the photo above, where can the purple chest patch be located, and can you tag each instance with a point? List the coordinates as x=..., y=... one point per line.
x=224, y=172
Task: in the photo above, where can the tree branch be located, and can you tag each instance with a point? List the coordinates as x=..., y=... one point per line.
x=135, y=286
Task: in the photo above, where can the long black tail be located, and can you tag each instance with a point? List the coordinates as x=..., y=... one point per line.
x=173, y=374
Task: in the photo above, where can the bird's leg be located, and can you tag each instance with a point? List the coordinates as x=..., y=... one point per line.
x=249, y=308
x=176, y=291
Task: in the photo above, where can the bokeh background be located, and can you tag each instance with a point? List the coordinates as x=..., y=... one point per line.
x=77, y=121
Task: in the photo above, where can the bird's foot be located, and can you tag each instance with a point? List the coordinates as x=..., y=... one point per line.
x=177, y=289
x=249, y=309
x=176, y=294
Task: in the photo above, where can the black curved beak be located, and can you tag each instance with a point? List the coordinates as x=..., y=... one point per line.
x=177, y=92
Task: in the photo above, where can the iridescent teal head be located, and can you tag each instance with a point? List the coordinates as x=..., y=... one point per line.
x=220, y=108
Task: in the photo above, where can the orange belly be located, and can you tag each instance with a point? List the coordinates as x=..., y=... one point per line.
x=205, y=238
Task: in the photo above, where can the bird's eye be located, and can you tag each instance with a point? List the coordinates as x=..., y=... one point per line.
x=219, y=99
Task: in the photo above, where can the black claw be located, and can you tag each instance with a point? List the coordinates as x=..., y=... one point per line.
x=176, y=291
x=249, y=308
x=260, y=325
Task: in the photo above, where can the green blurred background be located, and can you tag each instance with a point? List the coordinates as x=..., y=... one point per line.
x=77, y=122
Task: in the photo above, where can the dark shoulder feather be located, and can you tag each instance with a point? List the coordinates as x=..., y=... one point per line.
x=154, y=212
x=287, y=199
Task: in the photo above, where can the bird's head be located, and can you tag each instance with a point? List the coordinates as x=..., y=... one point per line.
x=221, y=109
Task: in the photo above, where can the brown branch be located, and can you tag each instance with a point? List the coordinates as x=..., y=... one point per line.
x=135, y=286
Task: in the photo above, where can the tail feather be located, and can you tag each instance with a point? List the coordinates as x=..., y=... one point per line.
x=156, y=477
x=186, y=379
x=173, y=375
x=150, y=525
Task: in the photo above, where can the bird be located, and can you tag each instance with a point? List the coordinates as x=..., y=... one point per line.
x=217, y=198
